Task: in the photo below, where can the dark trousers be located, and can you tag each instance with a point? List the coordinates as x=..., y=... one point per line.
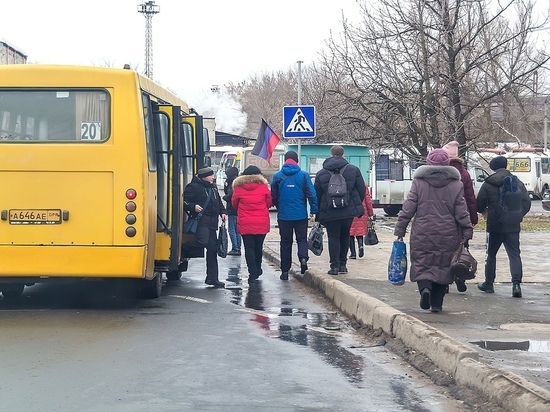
x=206, y=237
x=511, y=244
x=338, y=240
x=286, y=229
x=253, y=251
x=438, y=292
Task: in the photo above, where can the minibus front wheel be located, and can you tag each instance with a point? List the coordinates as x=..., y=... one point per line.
x=151, y=289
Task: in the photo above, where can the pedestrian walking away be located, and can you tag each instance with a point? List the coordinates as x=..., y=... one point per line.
x=501, y=230
x=252, y=200
x=452, y=150
x=292, y=190
x=359, y=227
x=436, y=202
x=195, y=194
x=231, y=174
x=339, y=203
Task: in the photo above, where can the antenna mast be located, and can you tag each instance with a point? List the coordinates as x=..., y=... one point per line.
x=148, y=9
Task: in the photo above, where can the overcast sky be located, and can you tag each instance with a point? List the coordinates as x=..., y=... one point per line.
x=196, y=43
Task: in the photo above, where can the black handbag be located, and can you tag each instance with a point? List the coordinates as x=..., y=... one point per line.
x=463, y=264
x=191, y=224
x=372, y=237
x=222, y=241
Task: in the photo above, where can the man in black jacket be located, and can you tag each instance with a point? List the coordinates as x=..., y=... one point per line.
x=337, y=221
x=499, y=233
x=194, y=196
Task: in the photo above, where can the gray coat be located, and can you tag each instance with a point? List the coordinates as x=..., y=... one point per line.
x=436, y=201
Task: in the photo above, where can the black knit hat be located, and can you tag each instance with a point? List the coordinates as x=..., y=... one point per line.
x=291, y=154
x=252, y=170
x=205, y=171
x=499, y=162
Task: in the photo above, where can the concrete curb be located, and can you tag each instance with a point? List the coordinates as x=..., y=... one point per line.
x=461, y=362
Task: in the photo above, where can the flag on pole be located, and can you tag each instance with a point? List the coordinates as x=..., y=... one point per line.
x=266, y=142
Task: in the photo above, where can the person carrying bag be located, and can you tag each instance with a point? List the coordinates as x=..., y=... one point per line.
x=191, y=224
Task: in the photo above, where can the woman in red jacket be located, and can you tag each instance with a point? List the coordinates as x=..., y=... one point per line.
x=359, y=227
x=252, y=200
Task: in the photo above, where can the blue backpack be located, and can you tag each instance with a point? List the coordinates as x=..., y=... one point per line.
x=510, y=205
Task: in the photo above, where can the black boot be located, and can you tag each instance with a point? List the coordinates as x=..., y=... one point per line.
x=352, y=248
x=361, y=248
x=333, y=269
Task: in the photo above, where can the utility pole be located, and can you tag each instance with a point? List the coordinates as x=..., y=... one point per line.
x=148, y=9
x=299, y=103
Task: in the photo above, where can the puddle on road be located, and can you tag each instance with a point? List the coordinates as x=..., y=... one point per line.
x=326, y=333
x=537, y=346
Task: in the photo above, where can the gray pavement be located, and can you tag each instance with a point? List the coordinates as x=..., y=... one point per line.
x=492, y=343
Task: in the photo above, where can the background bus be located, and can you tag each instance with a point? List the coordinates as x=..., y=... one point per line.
x=94, y=162
x=532, y=168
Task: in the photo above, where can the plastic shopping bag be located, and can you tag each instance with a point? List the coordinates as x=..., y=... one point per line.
x=315, y=239
x=397, y=265
x=222, y=241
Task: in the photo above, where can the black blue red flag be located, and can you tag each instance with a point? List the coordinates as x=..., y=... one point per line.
x=266, y=142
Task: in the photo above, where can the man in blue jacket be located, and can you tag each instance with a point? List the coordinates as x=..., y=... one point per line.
x=291, y=190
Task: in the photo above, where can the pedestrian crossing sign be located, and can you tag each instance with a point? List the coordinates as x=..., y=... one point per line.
x=299, y=121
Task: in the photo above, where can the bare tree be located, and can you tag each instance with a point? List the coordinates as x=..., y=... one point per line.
x=416, y=74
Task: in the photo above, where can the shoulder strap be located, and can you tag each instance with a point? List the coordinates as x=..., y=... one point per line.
x=207, y=199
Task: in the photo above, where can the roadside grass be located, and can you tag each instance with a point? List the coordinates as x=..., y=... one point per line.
x=537, y=223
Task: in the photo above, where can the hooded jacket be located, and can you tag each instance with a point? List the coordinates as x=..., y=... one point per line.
x=436, y=201
x=231, y=174
x=356, y=189
x=252, y=200
x=291, y=190
x=488, y=200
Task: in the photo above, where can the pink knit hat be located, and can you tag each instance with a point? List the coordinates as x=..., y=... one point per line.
x=438, y=157
x=451, y=148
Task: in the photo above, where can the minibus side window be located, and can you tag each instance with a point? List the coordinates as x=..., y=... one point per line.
x=148, y=125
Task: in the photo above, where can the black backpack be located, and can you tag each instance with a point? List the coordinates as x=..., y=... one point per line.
x=337, y=192
x=510, y=204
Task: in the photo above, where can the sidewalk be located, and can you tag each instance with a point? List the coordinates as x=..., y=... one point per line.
x=493, y=343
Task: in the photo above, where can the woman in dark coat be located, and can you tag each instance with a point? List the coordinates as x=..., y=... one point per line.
x=436, y=201
x=231, y=173
x=469, y=195
x=252, y=200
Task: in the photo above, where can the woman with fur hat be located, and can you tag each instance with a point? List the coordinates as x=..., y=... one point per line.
x=452, y=149
x=252, y=200
x=436, y=201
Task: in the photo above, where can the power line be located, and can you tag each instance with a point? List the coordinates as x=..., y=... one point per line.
x=148, y=9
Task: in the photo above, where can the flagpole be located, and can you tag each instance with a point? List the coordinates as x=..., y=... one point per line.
x=299, y=103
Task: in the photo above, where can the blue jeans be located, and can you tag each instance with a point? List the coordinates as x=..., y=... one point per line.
x=233, y=233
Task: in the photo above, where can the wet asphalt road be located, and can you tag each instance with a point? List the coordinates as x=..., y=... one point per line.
x=271, y=346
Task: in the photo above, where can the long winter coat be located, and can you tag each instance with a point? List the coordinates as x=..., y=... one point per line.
x=359, y=225
x=356, y=188
x=436, y=201
x=252, y=200
x=488, y=199
x=469, y=194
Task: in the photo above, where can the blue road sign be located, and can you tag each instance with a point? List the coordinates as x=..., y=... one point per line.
x=299, y=121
